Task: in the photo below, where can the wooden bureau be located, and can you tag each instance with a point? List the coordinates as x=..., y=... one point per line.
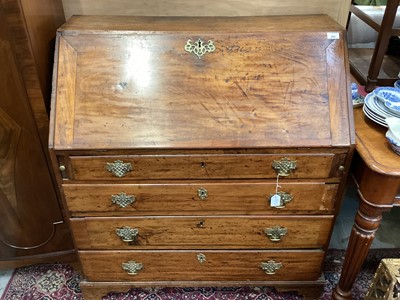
x=201, y=151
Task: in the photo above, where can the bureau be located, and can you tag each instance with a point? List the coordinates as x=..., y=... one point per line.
x=201, y=151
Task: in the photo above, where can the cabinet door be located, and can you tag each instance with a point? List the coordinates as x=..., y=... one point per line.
x=31, y=222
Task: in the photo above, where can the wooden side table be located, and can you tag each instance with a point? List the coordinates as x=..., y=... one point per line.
x=373, y=67
x=376, y=171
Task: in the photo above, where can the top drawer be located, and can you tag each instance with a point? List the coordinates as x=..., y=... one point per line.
x=226, y=166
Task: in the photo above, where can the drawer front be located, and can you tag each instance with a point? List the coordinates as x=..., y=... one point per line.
x=201, y=265
x=244, y=232
x=200, y=166
x=200, y=198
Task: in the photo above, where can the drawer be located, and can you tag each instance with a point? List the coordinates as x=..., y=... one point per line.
x=201, y=197
x=201, y=265
x=200, y=232
x=226, y=166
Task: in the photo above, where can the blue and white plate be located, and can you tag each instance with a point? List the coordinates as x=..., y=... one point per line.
x=378, y=107
x=390, y=96
x=370, y=115
x=393, y=142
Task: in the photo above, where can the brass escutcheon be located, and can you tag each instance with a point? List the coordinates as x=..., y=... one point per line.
x=201, y=258
x=270, y=267
x=202, y=193
x=127, y=234
x=275, y=233
x=132, y=267
x=284, y=166
x=122, y=199
x=285, y=198
x=201, y=224
x=119, y=168
x=199, y=48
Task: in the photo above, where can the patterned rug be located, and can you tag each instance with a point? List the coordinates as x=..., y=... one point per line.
x=61, y=282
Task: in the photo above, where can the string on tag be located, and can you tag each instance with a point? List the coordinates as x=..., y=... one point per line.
x=277, y=184
x=275, y=200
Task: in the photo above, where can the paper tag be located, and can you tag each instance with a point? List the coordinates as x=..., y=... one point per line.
x=275, y=200
x=332, y=35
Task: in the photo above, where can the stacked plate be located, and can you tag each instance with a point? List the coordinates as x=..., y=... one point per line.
x=382, y=103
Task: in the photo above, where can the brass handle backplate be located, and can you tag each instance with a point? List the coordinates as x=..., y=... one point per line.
x=284, y=166
x=275, y=233
x=127, y=234
x=119, y=168
x=199, y=48
x=270, y=267
x=132, y=267
x=285, y=198
x=123, y=200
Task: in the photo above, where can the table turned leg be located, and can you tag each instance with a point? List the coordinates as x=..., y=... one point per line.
x=367, y=221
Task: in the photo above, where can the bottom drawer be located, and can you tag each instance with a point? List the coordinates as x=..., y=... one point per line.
x=201, y=265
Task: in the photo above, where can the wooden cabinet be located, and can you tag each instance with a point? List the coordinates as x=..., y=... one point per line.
x=201, y=151
x=32, y=227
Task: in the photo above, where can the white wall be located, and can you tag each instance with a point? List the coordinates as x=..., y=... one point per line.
x=337, y=9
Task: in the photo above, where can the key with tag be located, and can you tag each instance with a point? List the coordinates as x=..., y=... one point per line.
x=275, y=201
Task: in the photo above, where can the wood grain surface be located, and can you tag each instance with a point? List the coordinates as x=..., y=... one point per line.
x=259, y=88
x=204, y=166
x=128, y=91
x=202, y=232
x=31, y=222
x=224, y=197
x=373, y=146
x=219, y=265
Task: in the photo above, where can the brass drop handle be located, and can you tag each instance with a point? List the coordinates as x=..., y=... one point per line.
x=123, y=200
x=118, y=168
x=127, y=234
x=270, y=267
x=284, y=166
x=284, y=198
x=202, y=193
x=275, y=233
x=132, y=267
